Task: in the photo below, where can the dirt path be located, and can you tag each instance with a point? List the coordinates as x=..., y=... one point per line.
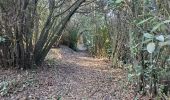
x=68, y=75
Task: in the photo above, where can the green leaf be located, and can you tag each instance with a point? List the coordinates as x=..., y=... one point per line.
x=166, y=21
x=145, y=20
x=167, y=37
x=118, y=1
x=156, y=27
x=59, y=98
x=160, y=38
x=2, y=39
x=159, y=24
x=161, y=44
x=151, y=47
x=147, y=35
x=146, y=41
x=130, y=77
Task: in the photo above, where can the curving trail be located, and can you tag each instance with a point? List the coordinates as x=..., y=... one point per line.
x=71, y=76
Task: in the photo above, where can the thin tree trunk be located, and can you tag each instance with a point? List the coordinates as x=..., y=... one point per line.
x=42, y=54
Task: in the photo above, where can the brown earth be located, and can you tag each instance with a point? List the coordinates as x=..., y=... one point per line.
x=66, y=75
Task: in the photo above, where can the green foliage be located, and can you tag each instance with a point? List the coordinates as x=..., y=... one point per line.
x=98, y=43
x=159, y=25
x=4, y=88
x=73, y=38
x=59, y=98
x=118, y=1
x=152, y=50
x=149, y=46
x=2, y=39
x=14, y=86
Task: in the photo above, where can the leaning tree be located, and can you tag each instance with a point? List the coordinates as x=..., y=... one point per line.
x=25, y=36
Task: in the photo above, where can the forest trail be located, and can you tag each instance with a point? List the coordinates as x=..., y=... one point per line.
x=68, y=75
